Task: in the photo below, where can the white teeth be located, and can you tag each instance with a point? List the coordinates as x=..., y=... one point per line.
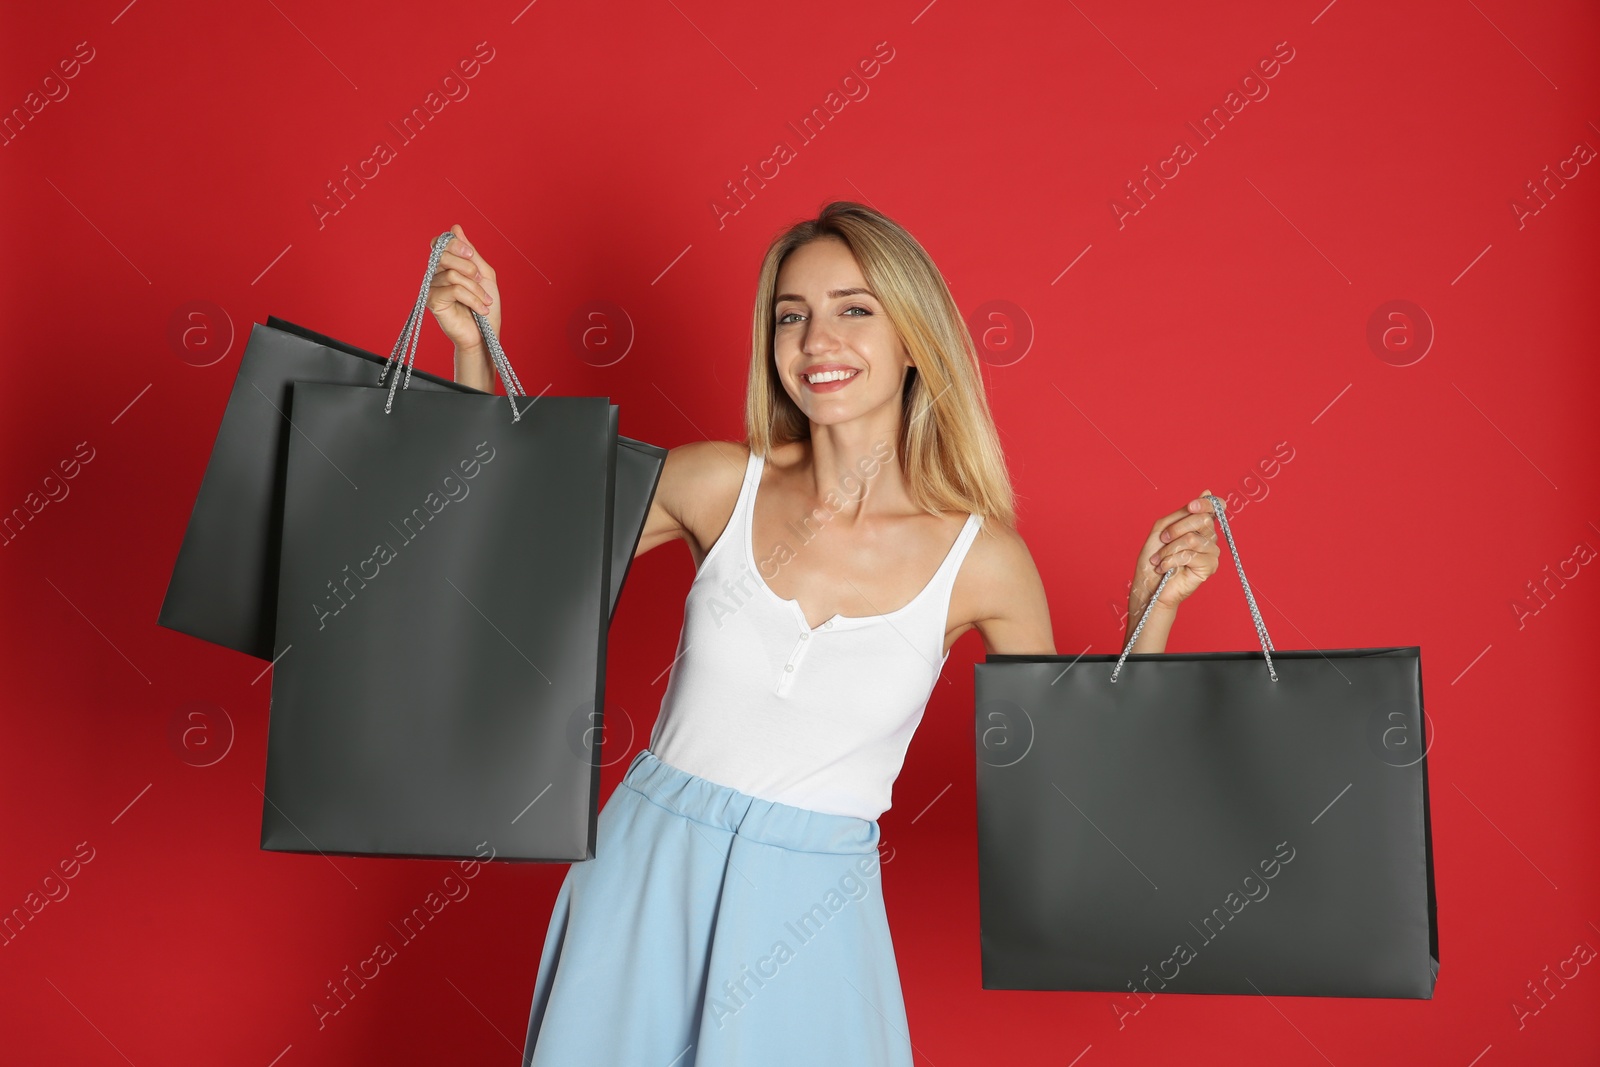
x=829, y=376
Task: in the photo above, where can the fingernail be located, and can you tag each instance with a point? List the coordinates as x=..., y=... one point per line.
x=1165, y=536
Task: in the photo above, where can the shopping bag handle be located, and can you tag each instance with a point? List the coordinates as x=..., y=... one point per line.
x=409, y=337
x=1255, y=613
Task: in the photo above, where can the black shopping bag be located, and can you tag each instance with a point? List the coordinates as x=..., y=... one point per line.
x=439, y=658
x=1224, y=822
x=639, y=466
x=223, y=587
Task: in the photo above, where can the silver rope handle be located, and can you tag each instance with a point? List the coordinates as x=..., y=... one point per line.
x=405, y=349
x=1255, y=613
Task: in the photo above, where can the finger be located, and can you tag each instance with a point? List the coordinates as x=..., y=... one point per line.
x=483, y=264
x=470, y=268
x=1168, y=560
x=472, y=251
x=460, y=245
x=1194, y=540
x=441, y=297
x=1164, y=521
x=1195, y=521
x=455, y=277
x=456, y=247
x=1192, y=516
x=1201, y=562
x=466, y=296
x=458, y=293
x=1193, y=507
x=1205, y=557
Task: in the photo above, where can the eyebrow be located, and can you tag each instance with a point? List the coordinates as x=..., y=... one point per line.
x=833, y=294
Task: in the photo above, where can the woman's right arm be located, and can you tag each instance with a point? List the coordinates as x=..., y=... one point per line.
x=699, y=481
x=699, y=484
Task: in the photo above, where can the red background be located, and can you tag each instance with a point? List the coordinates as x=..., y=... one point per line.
x=1184, y=343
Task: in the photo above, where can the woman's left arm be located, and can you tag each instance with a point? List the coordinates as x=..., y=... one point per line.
x=1007, y=596
x=1187, y=540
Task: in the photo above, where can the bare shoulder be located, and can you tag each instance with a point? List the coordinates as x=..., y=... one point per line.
x=704, y=464
x=699, y=484
x=1002, y=595
x=999, y=561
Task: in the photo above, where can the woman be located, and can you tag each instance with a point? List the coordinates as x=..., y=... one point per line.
x=732, y=913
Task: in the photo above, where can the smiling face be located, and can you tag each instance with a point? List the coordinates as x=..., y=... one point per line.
x=836, y=352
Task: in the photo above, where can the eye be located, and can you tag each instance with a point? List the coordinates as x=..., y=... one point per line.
x=784, y=316
x=858, y=307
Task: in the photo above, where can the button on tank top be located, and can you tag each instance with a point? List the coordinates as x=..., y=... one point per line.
x=817, y=717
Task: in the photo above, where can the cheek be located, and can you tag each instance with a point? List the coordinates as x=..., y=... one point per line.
x=782, y=358
x=792, y=389
x=882, y=355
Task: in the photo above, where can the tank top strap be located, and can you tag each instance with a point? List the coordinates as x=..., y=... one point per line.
x=958, y=551
x=744, y=512
x=752, y=477
x=936, y=605
x=743, y=504
x=738, y=524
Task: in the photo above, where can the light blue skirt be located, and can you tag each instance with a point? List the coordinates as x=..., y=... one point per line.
x=717, y=929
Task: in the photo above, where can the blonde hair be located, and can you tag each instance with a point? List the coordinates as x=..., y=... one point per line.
x=949, y=447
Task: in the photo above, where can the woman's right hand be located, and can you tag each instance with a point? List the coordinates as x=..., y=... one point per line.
x=463, y=283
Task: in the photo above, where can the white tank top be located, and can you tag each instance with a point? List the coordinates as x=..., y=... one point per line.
x=817, y=718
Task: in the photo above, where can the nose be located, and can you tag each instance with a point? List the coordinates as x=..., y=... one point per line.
x=819, y=338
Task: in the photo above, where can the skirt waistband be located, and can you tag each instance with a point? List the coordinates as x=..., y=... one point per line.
x=767, y=821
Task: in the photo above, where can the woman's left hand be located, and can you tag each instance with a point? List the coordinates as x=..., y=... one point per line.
x=1186, y=540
